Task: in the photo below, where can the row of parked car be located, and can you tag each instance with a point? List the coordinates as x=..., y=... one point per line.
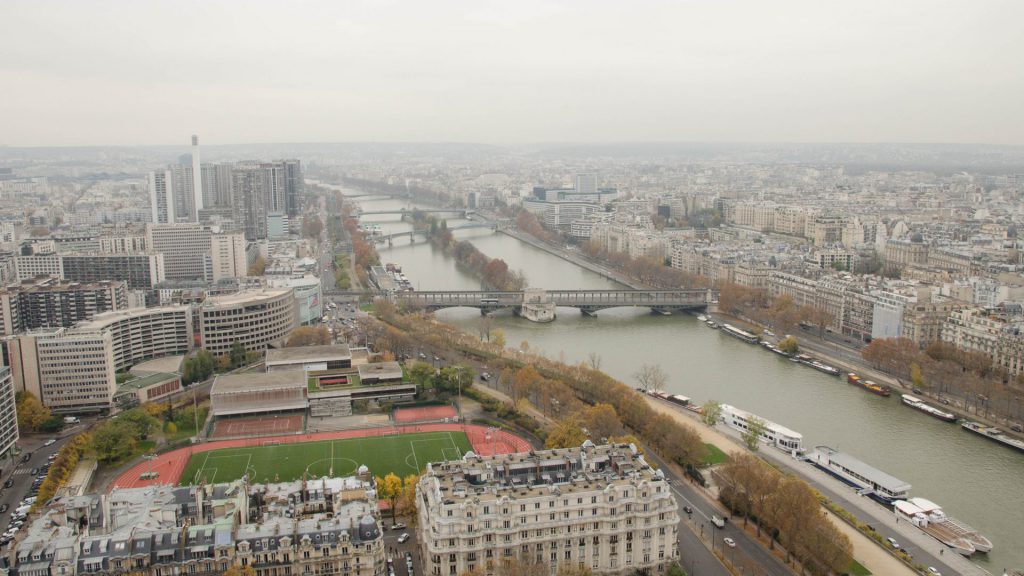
x=21, y=512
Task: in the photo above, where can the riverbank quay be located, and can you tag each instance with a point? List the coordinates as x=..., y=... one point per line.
x=868, y=552
x=849, y=360
x=576, y=259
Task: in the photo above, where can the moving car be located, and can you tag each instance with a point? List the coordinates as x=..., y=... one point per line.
x=398, y=526
x=729, y=542
x=403, y=538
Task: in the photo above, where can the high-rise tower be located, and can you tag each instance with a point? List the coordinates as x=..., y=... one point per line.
x=197, y=179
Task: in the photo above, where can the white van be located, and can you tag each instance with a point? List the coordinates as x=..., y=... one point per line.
x=718, y=521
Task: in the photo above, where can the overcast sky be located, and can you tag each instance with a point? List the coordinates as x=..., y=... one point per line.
x=143, y=72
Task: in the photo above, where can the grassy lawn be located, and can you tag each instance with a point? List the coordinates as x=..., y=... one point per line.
x=715, y=456
x=402, y=454
x=857, y=569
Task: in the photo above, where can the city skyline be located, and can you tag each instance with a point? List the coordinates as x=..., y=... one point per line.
x=123, y=73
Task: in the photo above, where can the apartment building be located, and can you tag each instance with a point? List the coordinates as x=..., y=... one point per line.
x=923, y=320
x=227, y=256
x=28, y=266
x=998, y=336
x=598, y=507
x=74, y=369
x=258, y=319
x=327, y=526
x=903, y=253
x=141, y=271
x=185, y=247
x=8, y=416
x=47, y=302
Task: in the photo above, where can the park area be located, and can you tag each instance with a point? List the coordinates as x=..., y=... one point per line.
x=271, y=461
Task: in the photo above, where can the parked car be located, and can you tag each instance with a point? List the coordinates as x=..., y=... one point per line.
x=892, y=542
x=4, y=508
x=403, y=538
x=398, y=526
x=9, y=483
x=49, y=442
x=932, y=570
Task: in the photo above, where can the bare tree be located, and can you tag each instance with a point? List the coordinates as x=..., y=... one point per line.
x=594, y=359
x=651, y=377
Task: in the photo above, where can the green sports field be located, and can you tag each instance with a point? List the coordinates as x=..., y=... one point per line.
x=402, y=454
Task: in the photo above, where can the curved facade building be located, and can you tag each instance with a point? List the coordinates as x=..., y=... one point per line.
x=74, y=369
x=257, y=318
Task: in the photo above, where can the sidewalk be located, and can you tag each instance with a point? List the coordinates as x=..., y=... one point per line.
x=865, y=550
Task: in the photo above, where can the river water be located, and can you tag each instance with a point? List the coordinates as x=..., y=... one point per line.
x=973, y=479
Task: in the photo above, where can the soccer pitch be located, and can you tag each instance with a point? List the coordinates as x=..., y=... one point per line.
x=402, y=454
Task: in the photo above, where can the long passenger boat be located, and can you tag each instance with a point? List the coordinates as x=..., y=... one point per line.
x=992, y=433
x=869, y=481
x=773, y=434
x=741, y=334
x=918, y=404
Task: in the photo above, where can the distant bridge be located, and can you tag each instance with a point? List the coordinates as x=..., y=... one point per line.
x=380, y=239
x=588, y=301
x=461, y=212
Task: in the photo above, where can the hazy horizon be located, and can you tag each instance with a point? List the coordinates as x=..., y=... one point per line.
x=117, y=73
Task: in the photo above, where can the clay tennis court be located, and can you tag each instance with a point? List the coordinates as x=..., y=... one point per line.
x=425, y=414
x=168, y=467
x=264, y=425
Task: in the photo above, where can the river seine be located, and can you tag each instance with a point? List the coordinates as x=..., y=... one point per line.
x=973, y=479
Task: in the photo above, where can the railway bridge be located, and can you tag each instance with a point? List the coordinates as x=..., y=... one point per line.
x=587, y=301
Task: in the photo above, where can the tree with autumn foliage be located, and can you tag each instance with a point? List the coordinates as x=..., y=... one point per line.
x=390, y=488
x=308, y=336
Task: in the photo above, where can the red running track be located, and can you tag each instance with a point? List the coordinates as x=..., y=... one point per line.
x=170, y=466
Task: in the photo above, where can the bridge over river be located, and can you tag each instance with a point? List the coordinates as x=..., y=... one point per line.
x=587, y=301
x=389, y=238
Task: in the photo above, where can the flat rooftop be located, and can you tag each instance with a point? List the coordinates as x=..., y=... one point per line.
x=590, y=467
x=165, y=364
x=307, y=354
x=147, y=380
x=244, y=297
x=863, y=469
x=257, y=381
x=380, y=371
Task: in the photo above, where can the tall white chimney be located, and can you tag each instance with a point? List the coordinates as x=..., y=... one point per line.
x=197, y=178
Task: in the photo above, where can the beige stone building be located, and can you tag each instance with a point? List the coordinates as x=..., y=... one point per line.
x=598, y=507
x=258, y=319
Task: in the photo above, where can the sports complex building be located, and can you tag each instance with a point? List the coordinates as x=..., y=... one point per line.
x=321, y=381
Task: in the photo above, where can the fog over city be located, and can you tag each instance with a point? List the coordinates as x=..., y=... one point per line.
x=131, y=73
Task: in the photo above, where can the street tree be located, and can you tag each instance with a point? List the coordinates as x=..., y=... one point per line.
x=602, y=421
x=308, y=336
x=712, y=412
x=789, y=345
x=390, y=488
x=651, y=377
x=31, y=412
x=422, y=374
x=567, y=433
x=752, y=435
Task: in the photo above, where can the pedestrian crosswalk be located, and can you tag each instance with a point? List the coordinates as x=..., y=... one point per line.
x=20, y=472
